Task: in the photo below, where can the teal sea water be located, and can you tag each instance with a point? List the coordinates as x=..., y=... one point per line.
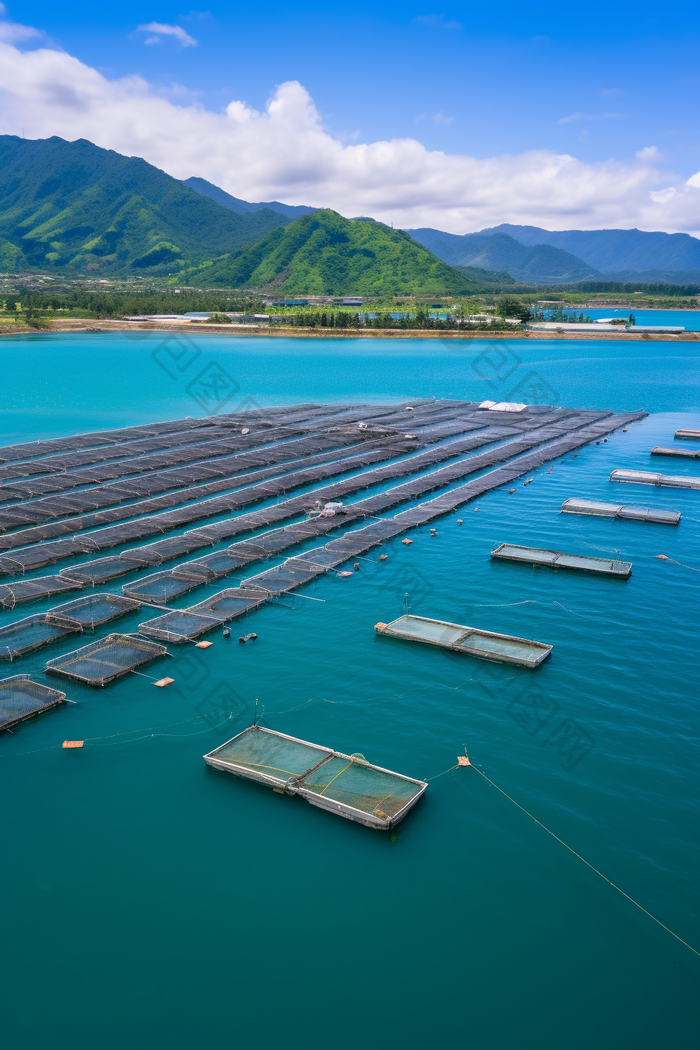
x=153, y=902
x=688, y=319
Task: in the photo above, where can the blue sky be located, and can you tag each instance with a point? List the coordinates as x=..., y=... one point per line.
x=607, y=81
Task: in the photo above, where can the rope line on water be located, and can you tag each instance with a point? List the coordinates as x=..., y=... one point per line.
x=578, y=855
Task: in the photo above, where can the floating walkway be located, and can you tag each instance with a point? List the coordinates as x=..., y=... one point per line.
x=347, y=785
x=537, y=557
x=20, y=698
x=486, y=645
x=641, y=477
x=626, y=511
x=685, y=434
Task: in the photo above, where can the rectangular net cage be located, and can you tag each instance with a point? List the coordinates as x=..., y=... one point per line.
x=180, y=625
x=486, y=645
x=92, y=610
x=20, y=698
x=106, y=659
x=231, y=602
x=101, y=570
x=30, y=633
x=160, y=587
x=12, y=594
x=620, y=510
x=347, y=785
x=556, y=560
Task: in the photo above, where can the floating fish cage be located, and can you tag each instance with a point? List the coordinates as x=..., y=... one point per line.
x=642, y=477
x=20, y=698
x=180, y=625
x=556, y=560
x=685, y=434
x=686, y=453
x=92, y=610
x=161, y=586
x=620, y=510
x=104, y=660
x=347, y=785
x=101, y=570
x=485, y=645
x=31, y=633
x=12, y=594
x=231, y=602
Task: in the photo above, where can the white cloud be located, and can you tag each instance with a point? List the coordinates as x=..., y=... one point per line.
x=650, y=154
x=440, y=118
x=437, y=22
x=163, y=29
x=14, y=32
x=285, y=153
x=588, y=116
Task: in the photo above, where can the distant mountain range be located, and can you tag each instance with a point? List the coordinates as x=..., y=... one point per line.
x=74, y=207
x=325, y=254
x=240, y=207
x=541, y=264
x=532, y=254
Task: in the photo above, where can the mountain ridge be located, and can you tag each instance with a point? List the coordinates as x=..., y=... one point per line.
x=73, y=206
x=541, y=264
x=613, y=250
x=241, y=207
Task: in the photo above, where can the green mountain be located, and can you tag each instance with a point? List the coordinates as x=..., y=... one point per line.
x=71, y=206
x=325, y=254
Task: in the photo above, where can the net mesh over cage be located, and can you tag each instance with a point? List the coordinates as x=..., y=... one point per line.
x=94, y=609
x=160, y=587
x=101, y=570
x=21, y=698
x=347, y=785
x=180, y=625
x=104, y=660
x=557, y=560
x=12, y=594
x=30, y=633
x=486, y=645
x=620, y=510
x=231, y=602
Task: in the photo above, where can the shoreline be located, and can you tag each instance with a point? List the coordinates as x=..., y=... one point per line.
x=189, y=328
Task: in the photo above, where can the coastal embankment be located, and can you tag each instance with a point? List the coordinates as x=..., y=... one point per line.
x=190, y=328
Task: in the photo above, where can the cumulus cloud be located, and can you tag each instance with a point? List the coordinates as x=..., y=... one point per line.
x=163, y=29
x=284, y=152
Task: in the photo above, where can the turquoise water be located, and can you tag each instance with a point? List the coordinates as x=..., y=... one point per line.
x=688, y=319
x=152, y=901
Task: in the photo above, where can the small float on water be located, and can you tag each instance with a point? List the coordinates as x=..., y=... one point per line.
x=485, y=645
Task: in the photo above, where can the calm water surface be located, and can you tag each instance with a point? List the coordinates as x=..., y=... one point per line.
x=152, y=902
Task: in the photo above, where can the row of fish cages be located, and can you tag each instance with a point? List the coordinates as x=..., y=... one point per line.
x=346, y=785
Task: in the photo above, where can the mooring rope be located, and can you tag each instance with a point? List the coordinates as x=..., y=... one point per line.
x=578, y=855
